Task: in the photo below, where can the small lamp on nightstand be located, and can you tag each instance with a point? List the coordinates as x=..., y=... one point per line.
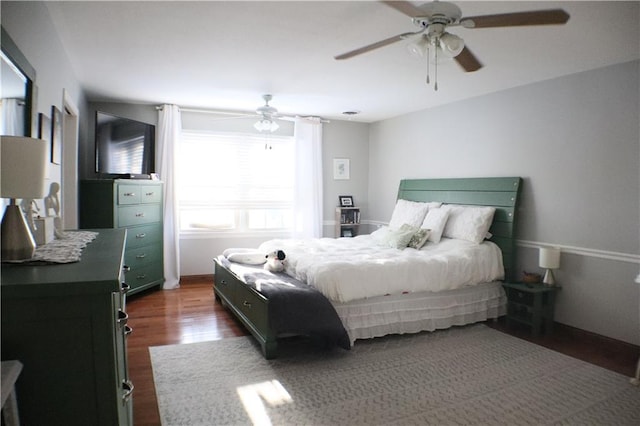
x=549, y=259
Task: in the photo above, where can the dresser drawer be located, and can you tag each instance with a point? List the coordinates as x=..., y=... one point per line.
x=150, y=193
x=129, y=194
x=521, y=297
x=142, y=255
x=144, y=235
x=139, y=276
x=138, y=215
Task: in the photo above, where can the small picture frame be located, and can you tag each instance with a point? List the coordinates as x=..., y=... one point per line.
x=345, y=200
x=44, y=129
x=341, y=168
x=56, y=135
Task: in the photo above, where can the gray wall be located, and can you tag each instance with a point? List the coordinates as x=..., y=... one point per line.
x=30, y=27
x=575, y=141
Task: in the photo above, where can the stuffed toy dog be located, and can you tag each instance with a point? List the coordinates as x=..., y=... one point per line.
x=275, y=261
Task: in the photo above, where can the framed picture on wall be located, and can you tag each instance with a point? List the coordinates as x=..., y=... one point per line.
x=56, y=135
x=341, y=168
x=44, y=129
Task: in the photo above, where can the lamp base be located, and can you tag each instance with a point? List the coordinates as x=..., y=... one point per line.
x=548, y=279
x=17, y=241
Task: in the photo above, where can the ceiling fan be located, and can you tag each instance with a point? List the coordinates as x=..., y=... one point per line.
x=434, y=18
x=267, y=113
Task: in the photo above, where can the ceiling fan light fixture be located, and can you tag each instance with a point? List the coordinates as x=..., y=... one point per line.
x=419, y=47
x=265, y=124
x=451, y=45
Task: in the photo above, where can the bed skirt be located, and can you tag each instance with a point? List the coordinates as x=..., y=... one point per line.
x=415, y=312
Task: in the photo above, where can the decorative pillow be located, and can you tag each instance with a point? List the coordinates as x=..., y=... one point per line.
x=435, y=221
x=394, y=237
x=245, y=255
x=399, y=238
x=409, y=212
x=469, y=223
x=419, y=238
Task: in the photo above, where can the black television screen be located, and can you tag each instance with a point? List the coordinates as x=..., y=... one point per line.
x=124, y=146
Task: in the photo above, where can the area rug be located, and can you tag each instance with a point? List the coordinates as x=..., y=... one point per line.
x=463, y=375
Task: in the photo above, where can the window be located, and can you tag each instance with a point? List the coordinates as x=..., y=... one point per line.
x=235, y=183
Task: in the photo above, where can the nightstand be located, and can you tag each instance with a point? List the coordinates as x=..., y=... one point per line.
x=347, y=221
x=531, y=305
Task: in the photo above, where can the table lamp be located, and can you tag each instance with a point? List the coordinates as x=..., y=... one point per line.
x=549, y=259
x=23, y=163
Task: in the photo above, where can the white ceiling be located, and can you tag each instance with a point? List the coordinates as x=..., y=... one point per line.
x=226, y=54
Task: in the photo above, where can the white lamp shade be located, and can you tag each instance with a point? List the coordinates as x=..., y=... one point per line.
x=419, y=47
x=266, y=124
x=549, y=257
x=24, y=167
x=451, y=45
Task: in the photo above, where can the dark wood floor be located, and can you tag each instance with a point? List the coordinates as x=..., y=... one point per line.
x=190, y=314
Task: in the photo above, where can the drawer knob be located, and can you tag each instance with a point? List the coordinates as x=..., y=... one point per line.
x=127, y=387
x=141, y=276
x=149, y=194
x=126, y=268
x=129, y=194
x=141, y=256
x=141, y=235
x=123, y=317
x=124, y=287
x=139, y=214
x=247, y=304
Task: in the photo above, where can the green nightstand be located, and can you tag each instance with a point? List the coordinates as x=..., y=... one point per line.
x=531, y=305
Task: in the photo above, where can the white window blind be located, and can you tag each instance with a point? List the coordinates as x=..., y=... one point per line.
x=230, y=182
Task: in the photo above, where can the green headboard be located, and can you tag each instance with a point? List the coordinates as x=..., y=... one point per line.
x=499, y=192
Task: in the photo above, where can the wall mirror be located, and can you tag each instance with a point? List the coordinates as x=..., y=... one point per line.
x=16, y=87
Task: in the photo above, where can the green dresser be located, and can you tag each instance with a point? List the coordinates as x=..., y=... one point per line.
x=137, y=206
x=67, y=325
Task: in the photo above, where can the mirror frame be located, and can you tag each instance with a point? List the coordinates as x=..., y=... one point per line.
x=11, y=50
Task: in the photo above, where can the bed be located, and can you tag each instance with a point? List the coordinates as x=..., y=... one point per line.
x=367, y=309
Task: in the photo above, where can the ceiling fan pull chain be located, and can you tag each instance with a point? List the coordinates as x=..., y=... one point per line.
x=435, y=82
x=428, y=56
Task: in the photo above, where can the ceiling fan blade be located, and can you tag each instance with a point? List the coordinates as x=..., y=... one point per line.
x=374, y=46
x=405, y=7
x=468, y=60
x=537, y=17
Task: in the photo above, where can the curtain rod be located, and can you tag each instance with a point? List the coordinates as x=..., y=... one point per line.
x=247, y=113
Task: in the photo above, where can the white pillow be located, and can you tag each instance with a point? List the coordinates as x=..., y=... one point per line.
x=245, y=255
x=435, y=221
x=380, y=235
x=469, y=223
x=409, y=212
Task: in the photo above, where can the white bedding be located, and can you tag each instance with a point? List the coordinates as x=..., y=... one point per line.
x=347, y=269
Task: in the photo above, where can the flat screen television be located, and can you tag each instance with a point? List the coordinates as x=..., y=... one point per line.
x=124, y=147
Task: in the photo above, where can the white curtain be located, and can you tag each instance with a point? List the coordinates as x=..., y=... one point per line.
x=170, y=129
x=307, y=202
